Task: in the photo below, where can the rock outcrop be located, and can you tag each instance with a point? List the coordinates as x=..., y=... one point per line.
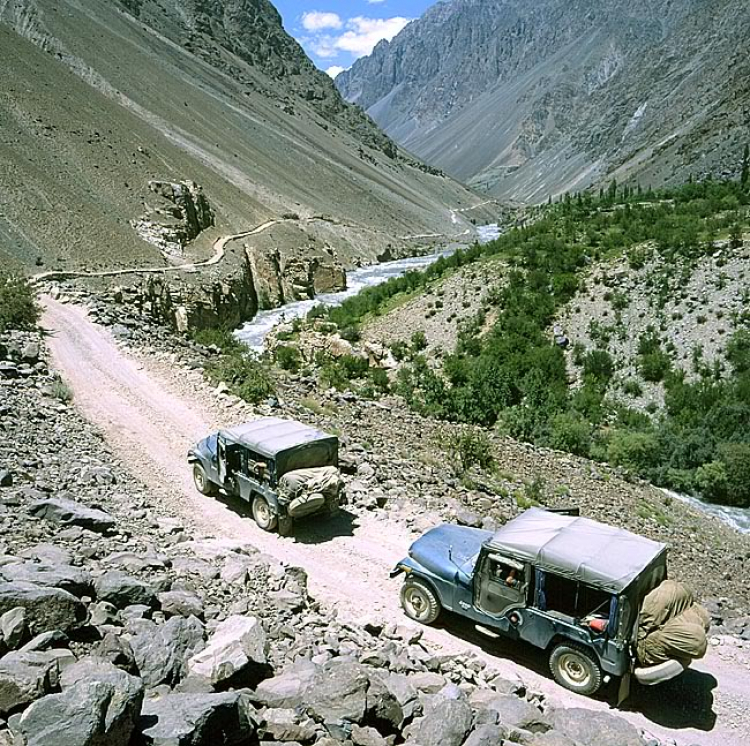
x=176, y=214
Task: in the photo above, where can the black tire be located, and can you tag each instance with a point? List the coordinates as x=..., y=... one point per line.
x=202, y=483
x=419, y=602
x=576, y=668
x=262, y=514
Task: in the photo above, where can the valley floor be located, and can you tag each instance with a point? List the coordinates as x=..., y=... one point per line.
x=151, y=411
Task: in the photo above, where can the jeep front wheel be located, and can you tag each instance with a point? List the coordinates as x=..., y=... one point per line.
x=419, y=602
x=262, y=514
x=575, y=668
x=202, y=483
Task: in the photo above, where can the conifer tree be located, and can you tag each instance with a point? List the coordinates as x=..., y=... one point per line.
x=745, y=176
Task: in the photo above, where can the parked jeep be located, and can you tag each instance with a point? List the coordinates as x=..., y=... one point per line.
x=568, y=585
x=285, y=469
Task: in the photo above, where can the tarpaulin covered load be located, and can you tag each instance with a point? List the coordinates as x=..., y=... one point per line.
x=671, y=626
x=307, y=490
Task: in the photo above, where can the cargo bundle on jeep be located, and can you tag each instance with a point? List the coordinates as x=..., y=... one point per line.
x=285, y=469
x=569, y=585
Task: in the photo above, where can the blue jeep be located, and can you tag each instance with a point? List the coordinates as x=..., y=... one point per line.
x=568, y=585
x=283, y=468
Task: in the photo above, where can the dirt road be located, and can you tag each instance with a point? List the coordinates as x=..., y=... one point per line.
x=151, y=417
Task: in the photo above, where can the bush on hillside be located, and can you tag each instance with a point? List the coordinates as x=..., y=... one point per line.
x=570, y=432
x=245, y=376
x=637, y=452
x=18, y=306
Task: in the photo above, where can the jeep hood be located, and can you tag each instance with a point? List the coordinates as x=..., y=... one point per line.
x=448, y=548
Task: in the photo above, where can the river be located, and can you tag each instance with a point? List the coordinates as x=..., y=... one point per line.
x=254, y=332
x=738, y=518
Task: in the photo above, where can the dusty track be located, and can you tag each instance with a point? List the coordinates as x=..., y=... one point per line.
x=218, y=255
x=150, y=419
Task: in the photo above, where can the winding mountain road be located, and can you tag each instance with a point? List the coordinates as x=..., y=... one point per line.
x=151, y=414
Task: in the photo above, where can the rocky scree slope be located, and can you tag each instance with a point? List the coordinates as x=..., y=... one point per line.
x=101, y=98
x=531, y=99
x=121, y=625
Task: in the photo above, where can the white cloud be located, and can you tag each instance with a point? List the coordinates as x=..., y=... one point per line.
x=316, y=20
x=358, y=35
x=375, y=2
x=335, y=70
x=363, y=34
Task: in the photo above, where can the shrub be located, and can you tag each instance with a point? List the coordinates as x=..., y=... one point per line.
x=631, y=387
x=380, y=380
x=711, y=480
x=598, y=366
x=736, y=459
x=637, y=452
x=470, y=448
x=288, y=358
x=61, y=391
x=418, y=341
x=246, y=376
x=570, y=432
x=18, y=306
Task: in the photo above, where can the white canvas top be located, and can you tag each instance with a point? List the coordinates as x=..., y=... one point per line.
x=271, y=435
x=597, y=554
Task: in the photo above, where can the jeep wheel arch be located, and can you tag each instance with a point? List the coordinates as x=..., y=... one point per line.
x=420, y=601
x=576, y=667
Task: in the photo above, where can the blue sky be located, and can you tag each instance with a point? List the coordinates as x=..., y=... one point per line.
x=334, y=33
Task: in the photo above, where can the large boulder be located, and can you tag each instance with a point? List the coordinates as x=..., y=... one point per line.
x=391, y=698
x=235, y=653
x=446, y=722
x=285, y=724
x=181, y=603
x=339, y=692
x=197, y=720
x=288, y=688
x=75, y=580
x=488, y=735
x=13, y=627
x=87, y=713
x=46, y=608
x=161, y=651
x=71, y=513
x=124, y=706
x=122, y=590
x=25, y=677
x=589, y=728
x=518, y=713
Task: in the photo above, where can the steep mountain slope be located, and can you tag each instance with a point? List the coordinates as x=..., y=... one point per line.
x=99, y=98
x=529, y=98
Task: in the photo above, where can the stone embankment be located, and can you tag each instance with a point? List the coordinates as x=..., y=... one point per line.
x=122, y=625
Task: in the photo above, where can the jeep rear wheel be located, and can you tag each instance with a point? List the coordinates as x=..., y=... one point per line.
x=262, y=514
x=575, y=668
x=419, y=602
x=202, y=483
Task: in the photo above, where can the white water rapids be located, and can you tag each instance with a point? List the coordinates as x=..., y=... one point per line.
x=254, y=332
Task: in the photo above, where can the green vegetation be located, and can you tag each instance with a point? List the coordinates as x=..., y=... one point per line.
x=469, y=449
x=18, y=307
x=513, y=377
x=244, y=374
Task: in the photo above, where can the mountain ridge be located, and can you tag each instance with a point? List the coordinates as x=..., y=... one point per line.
x=527, y=101
x=126, y=94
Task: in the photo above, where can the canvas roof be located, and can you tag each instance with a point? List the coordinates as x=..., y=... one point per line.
x=597, y=554
x=269, y=436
